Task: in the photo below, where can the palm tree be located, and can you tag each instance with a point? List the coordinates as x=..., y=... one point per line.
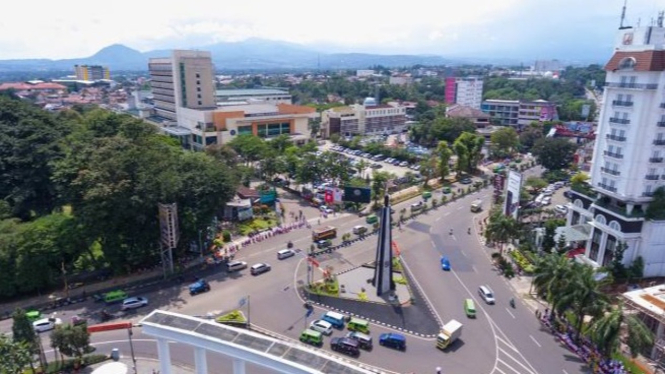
x=362, y=166
x=605, y=332
x=583, y=295
x=551, y=276
x=501, y=229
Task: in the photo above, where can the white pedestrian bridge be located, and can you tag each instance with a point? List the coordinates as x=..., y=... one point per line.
x=279, y=355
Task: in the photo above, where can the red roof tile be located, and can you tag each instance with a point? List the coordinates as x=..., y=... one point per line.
x=644, y=60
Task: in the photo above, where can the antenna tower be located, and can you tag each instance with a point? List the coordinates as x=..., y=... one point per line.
x=623, y=14
x=659, y=20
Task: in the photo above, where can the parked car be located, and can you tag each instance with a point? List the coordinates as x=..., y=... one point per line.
x=547, y=200
x=321, y=326
x=259, y=268
x=46, y=324
x=466, y=181
x=345, y=345
x=285, y=253
x=325, y=243
x=133, y=303
x=417, y=206
x=561, y=209
x=393, y=340
x=404, y=163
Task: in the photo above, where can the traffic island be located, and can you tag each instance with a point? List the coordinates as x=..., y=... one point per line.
x=404, y=309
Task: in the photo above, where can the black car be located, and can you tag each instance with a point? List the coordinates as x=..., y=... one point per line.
x=466, y=181
x=345, y=345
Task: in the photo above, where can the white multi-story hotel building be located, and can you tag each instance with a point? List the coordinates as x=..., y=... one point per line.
x=628, y=160
x=369, y=118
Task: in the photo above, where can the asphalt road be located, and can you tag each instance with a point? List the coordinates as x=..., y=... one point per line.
x=500, y=340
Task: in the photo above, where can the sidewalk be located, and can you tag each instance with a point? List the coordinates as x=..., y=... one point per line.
x=143, y=365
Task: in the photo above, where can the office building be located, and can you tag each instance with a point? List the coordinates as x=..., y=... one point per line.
x=628, y=156
x=519, y=113
x=184, y=80
x=543, y=66
x=467, y=91
x=366, y=119
x=185, y=106
x=91, y=72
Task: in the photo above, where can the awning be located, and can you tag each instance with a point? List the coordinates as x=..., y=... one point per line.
x=576, y=233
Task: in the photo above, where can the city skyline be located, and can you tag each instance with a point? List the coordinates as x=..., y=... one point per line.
x=511, y=28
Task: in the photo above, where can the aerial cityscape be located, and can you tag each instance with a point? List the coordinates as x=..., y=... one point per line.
x=475, y=188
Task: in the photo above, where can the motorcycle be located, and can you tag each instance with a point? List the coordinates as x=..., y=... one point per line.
x=512, y=303
x=289, y=244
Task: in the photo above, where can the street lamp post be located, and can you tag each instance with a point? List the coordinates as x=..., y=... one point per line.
x=131, y=348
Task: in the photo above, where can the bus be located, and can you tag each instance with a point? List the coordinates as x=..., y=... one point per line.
x=323, y=233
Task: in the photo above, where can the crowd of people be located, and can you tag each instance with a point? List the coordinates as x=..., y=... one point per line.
x=230, y=249
x=584, y=348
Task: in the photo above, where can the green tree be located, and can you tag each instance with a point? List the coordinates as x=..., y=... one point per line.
x=656, y=209
x=444, y=153
x=251, y=148
x=503, y=142
x=474, y=148
x=605, y=332
x=561, y=243
x=501, y=228
x=379, y=179
x=530, y=135
x=30, y=142
x=554, y=153
x=72, y=341
x=462, y=153
x=535, y=182
x=548, y=239
x=583, y=295
x=14, y=356
x=552, y=274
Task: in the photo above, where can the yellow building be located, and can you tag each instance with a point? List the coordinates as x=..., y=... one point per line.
x=92, y=72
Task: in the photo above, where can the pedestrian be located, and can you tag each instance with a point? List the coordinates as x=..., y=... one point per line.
x=438, y=370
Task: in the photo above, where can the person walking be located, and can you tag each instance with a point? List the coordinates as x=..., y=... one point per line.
x=438, y=370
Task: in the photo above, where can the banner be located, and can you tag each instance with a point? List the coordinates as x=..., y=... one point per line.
x=512, y=201
x=357, y=194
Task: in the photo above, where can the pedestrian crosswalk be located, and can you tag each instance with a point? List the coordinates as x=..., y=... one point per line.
x=508, y=359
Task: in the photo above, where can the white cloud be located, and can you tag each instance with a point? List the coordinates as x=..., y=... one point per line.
x=77, y=28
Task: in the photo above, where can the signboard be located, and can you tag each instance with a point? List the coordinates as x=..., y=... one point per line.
x=512, y=201
x=357, y=194
x=268, y=197
x=585, y=110
x=328, y=197
x=168, y=225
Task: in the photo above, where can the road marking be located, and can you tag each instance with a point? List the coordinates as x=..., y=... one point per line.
x=454, y=238
x=433, y=245
x=506, y=364
x=564, y=372
x=474, y=269
x=538, y=344
x=516, y=361
x=438, y=219
x=511, y=314
x=447, y=213
x=460, y=208
x=463, y=253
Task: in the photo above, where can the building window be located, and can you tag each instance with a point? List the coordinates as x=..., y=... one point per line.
x=595, y=244
x=211, y=140
x=243, y=130
x=198, y=89
x=578, y=203
x=627, y=63
x=198, y=75
x=614, y=225
x=601, y=219
x=610, y=246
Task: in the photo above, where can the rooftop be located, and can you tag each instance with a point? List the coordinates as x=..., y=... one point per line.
x=644, y=60
x=463, y=111
x=649, y=300
x=250, y=92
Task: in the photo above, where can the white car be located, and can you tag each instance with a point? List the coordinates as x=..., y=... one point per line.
x=547, y=200
x=285, y=253
x=326, y=210
x=548, y=192
x=46, y=324
x=324, y=327
x=259, y=268
x=486, y=293
x=133, y=303
x=561, y=209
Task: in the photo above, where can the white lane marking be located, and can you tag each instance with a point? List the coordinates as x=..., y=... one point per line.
x=516, y=361
x=535, y=341
x=564, y=372
x=438, y=219
x=460, y=208
x=433, y=245
x=463, y=253
x=447, y=214
x=511, y=314
x=454, y=238
x=510, y=367
x=507, y=344
x=474, y=269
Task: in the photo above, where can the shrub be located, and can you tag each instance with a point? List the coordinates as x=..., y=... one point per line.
x=522, y=261
x=399, y=280
x=226, y=235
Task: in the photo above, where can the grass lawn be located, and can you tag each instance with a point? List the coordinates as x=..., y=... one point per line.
x=256, y=224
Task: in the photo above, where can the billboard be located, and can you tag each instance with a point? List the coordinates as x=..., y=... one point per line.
x=512, y=202
x=357, y=194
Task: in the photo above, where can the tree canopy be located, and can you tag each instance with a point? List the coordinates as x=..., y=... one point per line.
x=554, y=153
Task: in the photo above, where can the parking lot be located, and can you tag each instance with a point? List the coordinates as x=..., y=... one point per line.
x=400, y=171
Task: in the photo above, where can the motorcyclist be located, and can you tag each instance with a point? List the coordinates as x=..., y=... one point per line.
x=468, y=231
x=451, y=231
x=512, y=302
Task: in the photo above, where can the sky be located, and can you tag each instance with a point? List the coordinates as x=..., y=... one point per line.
x=539, y=28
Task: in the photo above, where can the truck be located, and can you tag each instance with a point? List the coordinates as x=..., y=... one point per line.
x=450, y=332
x=477, y=206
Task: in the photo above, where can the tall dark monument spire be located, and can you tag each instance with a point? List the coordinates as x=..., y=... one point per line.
x=383, y=272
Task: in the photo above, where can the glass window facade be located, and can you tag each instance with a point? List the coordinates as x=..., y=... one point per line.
x=242, y=130
x=269, y=130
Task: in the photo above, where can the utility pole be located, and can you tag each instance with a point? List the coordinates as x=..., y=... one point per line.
x=131, y=347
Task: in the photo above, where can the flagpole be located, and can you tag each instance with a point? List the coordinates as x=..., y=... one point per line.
x=249, y=314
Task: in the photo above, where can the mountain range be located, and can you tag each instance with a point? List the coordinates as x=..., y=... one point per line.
x=251, y=54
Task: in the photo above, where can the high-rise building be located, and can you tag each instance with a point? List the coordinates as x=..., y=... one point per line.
x=92, y=72
x=184, y=80
x=467, y=91
x=628, y=157
x=543, y=66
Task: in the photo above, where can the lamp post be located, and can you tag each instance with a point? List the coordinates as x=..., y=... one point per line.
x=131, y=348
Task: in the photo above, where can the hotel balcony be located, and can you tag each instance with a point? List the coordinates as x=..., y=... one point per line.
x=644, y=86
x=607, y=187
x=659, y=142
x=616, y=137
x=651, y=177
x=622, y=103
x=613, y=155
x=610, y=171
x=620, y=121
x=656, y=160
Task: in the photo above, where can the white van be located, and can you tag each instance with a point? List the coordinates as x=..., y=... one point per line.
x=486, y=293
x=539, y=199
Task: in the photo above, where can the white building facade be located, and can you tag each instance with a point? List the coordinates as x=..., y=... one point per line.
x=628, y=155
x=469, y=92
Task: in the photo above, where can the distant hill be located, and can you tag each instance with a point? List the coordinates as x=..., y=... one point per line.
x=249, y=54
